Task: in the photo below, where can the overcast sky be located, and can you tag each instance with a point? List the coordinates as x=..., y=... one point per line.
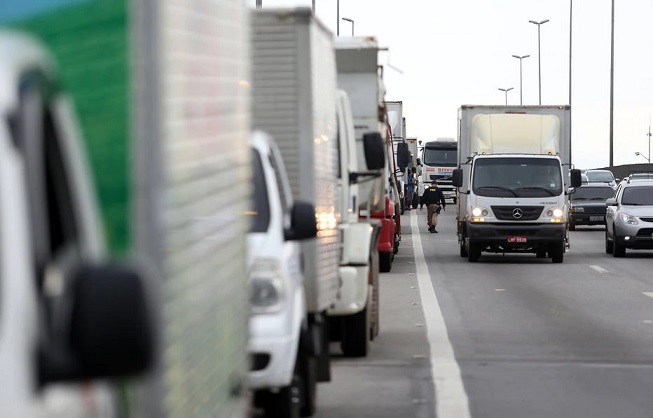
x=460, y=52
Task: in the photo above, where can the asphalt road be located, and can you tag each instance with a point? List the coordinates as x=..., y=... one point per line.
x=530, y=338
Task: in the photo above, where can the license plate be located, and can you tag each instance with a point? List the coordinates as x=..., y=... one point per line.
x=596, y=218
x=517, y=239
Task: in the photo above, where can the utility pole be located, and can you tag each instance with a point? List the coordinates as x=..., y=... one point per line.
x=539, y=56
x=520, y=58
x=612, y=89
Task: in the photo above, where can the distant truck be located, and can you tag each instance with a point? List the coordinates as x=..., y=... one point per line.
x=439, y=158
x=513, y=180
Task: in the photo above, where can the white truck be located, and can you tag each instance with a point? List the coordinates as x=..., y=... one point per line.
x=354, y=319
x=67, y=315
x=282, y=374
x=513, y=180
x=439, y=158
x=294, y=100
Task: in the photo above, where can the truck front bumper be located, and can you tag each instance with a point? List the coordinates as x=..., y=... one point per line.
x=352, y=297
x=515, y=237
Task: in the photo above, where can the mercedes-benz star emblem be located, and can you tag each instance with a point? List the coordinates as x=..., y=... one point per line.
x=517, y=213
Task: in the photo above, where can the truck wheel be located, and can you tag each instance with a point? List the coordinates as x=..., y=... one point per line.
x=454, y=200
x=473, y=252
x=557, y=252
x=541, y=253
x=618, y=250
x=308, y=373
x=284, y=404
x=395, y=247
x=385, y=262
x=355, y=334
x=608, y=244
x=463, y=249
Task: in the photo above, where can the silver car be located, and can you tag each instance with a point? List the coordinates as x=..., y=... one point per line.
x=629, y=218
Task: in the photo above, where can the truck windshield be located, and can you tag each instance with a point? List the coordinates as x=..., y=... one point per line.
x=517, y=177
x=260, y=213
x=442, y=157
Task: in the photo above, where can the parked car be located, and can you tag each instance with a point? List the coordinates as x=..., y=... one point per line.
x=629, y=218
x=601, y=176
x=587, y=205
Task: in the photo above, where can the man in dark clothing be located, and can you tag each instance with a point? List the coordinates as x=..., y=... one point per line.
x=434, y=201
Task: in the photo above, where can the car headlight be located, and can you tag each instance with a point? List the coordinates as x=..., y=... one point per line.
x=267, y=290
x=627, y=218
x=575, y=209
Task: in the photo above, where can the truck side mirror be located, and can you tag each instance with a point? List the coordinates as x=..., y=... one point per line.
x=374, y=151
x=302, y=222
x=611, y=201
x=576, y=179
x=403, y=156
x=457, y=177
x=111, y=332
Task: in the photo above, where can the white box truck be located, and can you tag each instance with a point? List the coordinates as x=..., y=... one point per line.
x=439, y=158
x=294, y=100
x=513, y=180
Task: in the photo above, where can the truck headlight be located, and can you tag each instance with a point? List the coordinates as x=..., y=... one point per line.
x=267, y=290
x=577, y=209
x=556, y=215
x=476, y=212
x=627, y=218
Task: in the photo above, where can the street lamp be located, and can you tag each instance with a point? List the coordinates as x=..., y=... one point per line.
x=506, y=91
x=539, y=58
x=352, y=24
x=520, y=58
x=643, y=156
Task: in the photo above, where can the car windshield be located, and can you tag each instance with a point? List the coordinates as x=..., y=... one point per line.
x=593, y=193
x=600, y=176
x=641, y=176
x=638, y=196
x=260, y=213
x=443, y=157
x=517, y=177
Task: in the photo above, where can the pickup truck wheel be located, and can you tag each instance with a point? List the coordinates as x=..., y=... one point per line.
x=286, y=403
x=355, y=334
x=308, y=373
x=473, y=252
x=608, y=243
x=618, y=250
x=557, y=252
x=385, y=262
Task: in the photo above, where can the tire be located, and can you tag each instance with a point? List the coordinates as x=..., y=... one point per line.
x=473, y=252
x=572, y=226
x=286, y=403
x=308, y=374
x=355, y=340
x=454, y=200
x=385, y=262
x=395, y=246
x=608, y=244
x=463, y=249
x=557, y=252
x=618, y=250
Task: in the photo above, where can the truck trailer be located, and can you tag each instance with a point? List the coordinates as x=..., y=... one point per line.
x=513, y=180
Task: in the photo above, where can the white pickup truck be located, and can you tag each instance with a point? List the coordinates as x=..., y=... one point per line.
x=66, y=315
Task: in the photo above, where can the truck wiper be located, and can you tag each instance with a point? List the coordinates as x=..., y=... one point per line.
x=538, y=188
x=499, y=188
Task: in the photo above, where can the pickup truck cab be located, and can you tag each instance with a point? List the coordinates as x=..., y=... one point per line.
x=66, y=315
x=283, y=373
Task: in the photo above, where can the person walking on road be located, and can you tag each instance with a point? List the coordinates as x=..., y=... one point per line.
x=434, y=201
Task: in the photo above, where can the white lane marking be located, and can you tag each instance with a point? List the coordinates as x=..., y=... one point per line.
x=599, y=269
x=649, y=294
x=450, y=395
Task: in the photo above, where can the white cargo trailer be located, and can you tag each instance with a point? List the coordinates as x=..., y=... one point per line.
x=294, y=100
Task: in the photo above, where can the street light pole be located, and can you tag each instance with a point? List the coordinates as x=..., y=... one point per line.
x=612, y=88
x=539, y=57
x=520, y=58
x=352, y=24
x=338, y=18
x=649, y=141
x=506, y=91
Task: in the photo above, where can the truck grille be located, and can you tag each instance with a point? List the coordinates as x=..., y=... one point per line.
x=517, y=213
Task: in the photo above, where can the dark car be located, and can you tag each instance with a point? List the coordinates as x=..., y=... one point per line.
x=587, y=205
